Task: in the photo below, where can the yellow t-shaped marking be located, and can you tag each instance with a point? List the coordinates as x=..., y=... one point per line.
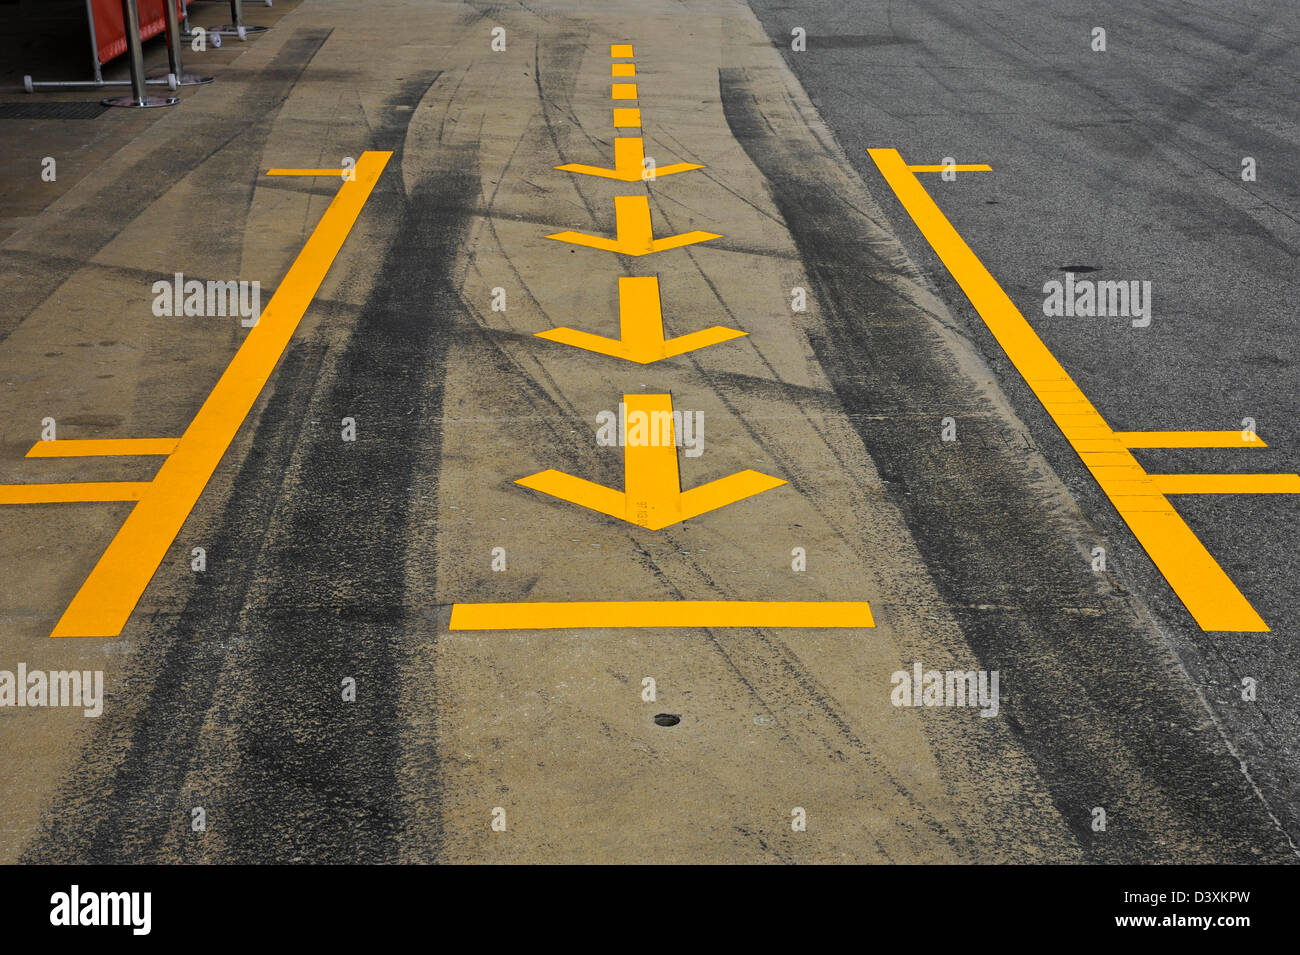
x=105, y=601
x=632, y=228
x=652, y=497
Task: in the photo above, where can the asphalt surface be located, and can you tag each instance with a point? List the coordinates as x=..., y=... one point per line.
x=1127, y=162
x=332, y=560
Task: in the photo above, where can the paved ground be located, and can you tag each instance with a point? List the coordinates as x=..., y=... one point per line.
x=331, y=560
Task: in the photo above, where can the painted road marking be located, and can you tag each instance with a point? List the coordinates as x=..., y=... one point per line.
x=622, y=69
x=1227, y=483
x=622, y=50
x=652, y=497
x=105, y=601
x=629, y=163
x=953, y=167
x=96, y=447
x=633, y=232
x=660, y=613
x=73, y=493
x=1200, y=583
x=641, y=325
x=623, y=91
x=1189, y=439
x=307, y=172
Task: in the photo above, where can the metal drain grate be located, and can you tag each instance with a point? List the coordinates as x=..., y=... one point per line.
x=51, y=110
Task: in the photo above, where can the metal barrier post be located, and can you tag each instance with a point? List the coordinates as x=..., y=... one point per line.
x=139, y=97
x=237, y=28
x=174, y=40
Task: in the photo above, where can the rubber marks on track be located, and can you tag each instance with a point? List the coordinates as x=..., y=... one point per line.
x=1206, y=591
x=105, y=601
x=652, y=495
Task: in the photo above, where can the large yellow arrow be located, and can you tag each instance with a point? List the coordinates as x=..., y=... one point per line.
x=652, y=497
x=629, y=163
x=632, y=226
x=641, y=324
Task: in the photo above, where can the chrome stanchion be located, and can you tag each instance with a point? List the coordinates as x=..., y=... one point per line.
x=139, y=97
x=174, y=40
x=237, y=28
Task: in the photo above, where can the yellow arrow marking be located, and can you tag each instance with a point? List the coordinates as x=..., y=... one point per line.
x=632, y=228
x=641, y=324
x=629, y=162
x=653, y=497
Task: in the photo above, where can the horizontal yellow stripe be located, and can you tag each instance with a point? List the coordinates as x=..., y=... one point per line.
x=660, y=613
x=621, y=49
x=622, y=69
x=304, y=172
x=1227, y=483
x=75, y=493
x=624, y=90
x=956, y=167
x=1187, y=439
x=625, y=117
x=97, y=448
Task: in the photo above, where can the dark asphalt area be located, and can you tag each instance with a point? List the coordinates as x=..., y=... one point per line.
x=1128, y=162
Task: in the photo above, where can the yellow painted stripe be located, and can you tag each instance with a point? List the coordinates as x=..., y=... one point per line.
x=956, y=167
x=105, y=601
x=623, y=90
x=1227, y=483
x=622, y=69
x=621, y=50
x=305, y=172
x=1200, y=583
x=660, y=613
x=106, y=447
x=74, y=493
x=627, y=117
x=1188, y=439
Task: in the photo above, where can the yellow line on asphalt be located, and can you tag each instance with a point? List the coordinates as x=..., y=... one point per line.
x=105, y=601
x=73, y=493
x=622, y=50
x=101, y=447
x=1198, y=580
x=305, y=172
x=626, y=117
x=623, y=90
x=661, y=613
x=1227, y=483
x=622, y=69
x=1189, y=439
x=956, y=167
